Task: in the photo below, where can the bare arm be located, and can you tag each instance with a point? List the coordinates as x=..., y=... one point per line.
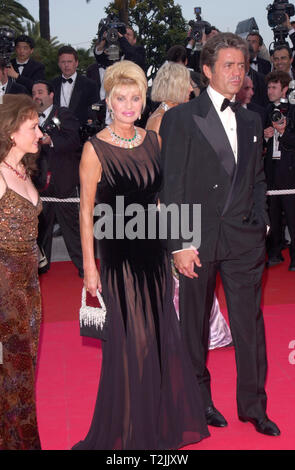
x=90, y=175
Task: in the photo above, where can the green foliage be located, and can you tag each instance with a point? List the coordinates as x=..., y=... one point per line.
x=159, y=25
x=13, y=14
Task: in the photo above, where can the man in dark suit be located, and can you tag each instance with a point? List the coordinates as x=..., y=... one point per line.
x=73, y=90
x=280, y=169
x=59, y=174
x=24, y=70
x=257, y=63
x=245, y=95
x=212, y=156
x=8, y=85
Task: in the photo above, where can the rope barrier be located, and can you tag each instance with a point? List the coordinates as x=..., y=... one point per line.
x=275, y=192
x=55, y=199
x=280, y=192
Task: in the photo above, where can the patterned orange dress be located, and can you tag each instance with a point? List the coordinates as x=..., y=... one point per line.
x=20, y=318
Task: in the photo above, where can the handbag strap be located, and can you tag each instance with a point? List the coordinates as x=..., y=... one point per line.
x=98, y=295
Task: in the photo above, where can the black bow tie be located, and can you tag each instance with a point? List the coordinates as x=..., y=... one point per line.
x=42, y=115
x=64, y=80
x=253, y=61
x=234, y=105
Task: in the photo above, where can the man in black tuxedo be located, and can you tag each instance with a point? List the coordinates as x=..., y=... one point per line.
x=24, y=70
x=280, y=169
x=73, y=90
x=59, y=174
x=212, y=156
x=245, y=95
x=257, y=63
x=8, y=85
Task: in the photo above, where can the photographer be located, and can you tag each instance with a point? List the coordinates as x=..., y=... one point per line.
x=197, y=36
x=126, y=42
x=58, y=173
x=280, y=165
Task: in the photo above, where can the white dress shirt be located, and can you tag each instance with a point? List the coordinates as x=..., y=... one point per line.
x=227, y=117
x=46, y=113
x=3, y=88
x=66, y=91
x=21, y=66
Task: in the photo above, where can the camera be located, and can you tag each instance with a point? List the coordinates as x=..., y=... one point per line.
x=112, y=26
x=7, y=38
x=276, y=16
x=92, y=127
x=53, y=124
x=199, y=27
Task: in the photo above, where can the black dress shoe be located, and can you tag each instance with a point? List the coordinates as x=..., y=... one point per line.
x=292, y=266
x=214, y=417
x=274, y=260
x=264, y=426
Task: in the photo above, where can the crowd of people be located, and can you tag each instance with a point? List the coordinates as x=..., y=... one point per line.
x=207, y=132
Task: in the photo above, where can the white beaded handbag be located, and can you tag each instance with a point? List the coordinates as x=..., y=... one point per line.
x=93, y=319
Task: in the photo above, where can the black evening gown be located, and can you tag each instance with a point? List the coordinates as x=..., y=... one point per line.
x=148, y=396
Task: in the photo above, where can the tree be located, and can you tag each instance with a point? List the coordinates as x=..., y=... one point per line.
x=13, y=14
x=159, y=24
x=44, y=19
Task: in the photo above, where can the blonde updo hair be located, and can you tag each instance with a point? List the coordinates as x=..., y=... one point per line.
x=172, y=83
x=14, y=111
x=125, y=72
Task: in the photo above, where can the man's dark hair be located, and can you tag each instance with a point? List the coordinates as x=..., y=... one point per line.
x=255, y=33
x=177, y=53
x=67, y=50
x=278, y=77
x=283, y=46
x=48, y=85
x=27, y=39
x=220, y=41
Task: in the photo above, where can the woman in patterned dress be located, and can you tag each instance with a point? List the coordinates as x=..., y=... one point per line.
x=20, y=303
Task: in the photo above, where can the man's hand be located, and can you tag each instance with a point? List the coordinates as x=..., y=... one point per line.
x=280, y=126
x=269, y=132
x=46, y=140
x=12, y=73
x=185, y=262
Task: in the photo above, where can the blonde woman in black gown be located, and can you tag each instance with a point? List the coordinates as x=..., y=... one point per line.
x=148, y=397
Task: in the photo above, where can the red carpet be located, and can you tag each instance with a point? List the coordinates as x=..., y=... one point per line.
x=69, y=367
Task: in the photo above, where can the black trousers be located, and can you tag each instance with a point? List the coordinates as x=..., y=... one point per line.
x=277, y=206
x=66, y=214
x=241, y=279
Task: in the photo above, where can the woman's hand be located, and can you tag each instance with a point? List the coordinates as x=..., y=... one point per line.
x=92, y=281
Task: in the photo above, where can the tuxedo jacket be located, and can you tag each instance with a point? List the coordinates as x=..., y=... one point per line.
x=260, y=110
x=61, y=160
x=84, y=95
x=14, y=88
x=197, y=169
x=32, y=71
x=260, y=89
x=264, y=66
x=280, y=174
